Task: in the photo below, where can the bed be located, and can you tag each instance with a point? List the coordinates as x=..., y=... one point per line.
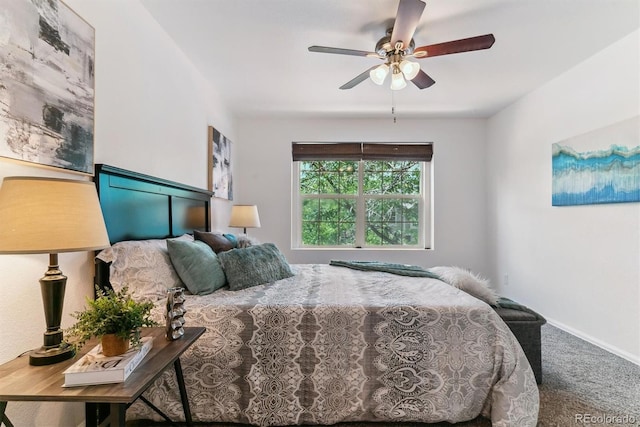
x=328, y=344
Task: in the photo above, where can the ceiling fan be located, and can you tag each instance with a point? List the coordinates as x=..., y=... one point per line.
x=397, y=46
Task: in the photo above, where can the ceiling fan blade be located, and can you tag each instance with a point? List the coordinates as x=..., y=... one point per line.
x=422, y=80
x=455, y=46
x=337, y=50
x=358, y=79
x=407, y=19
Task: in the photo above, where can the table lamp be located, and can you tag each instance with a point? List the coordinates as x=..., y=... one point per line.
x=244, y=216
x=48, y=215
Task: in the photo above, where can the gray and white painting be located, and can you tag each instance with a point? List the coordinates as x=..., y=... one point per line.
x=46, y=84
x=221, y=164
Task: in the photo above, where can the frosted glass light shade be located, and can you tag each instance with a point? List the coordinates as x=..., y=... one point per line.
x=379, y=73
x=244, y=216
x=409, y=69
x=48, y=215
x=397, y=81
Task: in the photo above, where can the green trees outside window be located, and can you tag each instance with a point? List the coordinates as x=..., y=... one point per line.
x=366, y=202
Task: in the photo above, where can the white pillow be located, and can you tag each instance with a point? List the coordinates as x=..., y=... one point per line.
x=468, y=282
x=142, y=265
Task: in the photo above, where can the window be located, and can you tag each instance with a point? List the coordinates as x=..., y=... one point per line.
x=361, y=195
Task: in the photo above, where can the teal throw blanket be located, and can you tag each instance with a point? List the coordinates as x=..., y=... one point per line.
x=386, y=267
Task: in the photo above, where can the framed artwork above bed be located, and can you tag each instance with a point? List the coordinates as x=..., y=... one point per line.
x=47, y=89
x=219, y=154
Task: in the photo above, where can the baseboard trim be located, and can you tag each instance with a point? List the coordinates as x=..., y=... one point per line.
x=611, y=349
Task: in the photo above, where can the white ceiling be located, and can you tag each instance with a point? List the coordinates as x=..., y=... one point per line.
x=254, y=52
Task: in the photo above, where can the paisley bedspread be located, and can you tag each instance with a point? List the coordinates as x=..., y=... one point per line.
x=332, y=344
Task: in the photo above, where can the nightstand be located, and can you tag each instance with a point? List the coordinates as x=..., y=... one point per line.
x=20, y=381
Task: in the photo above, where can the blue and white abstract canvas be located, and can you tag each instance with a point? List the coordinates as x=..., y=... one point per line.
x=602, y=166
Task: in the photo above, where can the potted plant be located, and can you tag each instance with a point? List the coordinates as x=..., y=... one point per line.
x=115, y=318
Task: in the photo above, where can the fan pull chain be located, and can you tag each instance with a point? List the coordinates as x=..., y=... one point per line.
x=393, y=106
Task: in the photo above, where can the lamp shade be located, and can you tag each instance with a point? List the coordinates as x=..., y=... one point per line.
x=409, y=69
x=48, y=215
x=379, y=73
x=397, y=80
x=244, y=216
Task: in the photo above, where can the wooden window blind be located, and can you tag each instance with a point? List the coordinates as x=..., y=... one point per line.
x=313, y=151
x=415, y=152
x=309, y=151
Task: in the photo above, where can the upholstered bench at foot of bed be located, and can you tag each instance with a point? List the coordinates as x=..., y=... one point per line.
x=525, y=325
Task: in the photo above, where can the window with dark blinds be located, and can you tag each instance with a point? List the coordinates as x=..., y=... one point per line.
x=361, y=195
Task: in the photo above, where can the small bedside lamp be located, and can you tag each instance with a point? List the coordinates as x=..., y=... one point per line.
x=244, y=216
x=47, y=215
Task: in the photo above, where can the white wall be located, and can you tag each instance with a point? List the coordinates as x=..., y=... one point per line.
x=151, y=115
x=580, y=265
x=263, y=177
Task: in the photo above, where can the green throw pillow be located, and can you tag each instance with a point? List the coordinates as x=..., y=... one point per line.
x=197, y=265
x=255, y=265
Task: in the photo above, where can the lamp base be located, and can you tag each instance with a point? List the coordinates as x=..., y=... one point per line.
x=52, y=287
x=51, y=355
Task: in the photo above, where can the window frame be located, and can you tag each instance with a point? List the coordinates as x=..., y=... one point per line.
x=425, y=207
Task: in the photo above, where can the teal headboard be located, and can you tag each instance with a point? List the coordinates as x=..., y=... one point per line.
x=137, y=207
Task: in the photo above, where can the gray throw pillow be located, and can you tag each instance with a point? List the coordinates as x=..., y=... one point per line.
x=255, y=265
x=197, y=265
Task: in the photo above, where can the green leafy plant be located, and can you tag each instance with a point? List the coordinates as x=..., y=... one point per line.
x=111, y=313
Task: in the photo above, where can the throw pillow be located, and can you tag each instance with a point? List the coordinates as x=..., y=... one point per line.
x=468, y=282
x=245, y=241
x=255, y=265
x=144, y=266
x=216, y=241
x=232, y=238
x=197, y=265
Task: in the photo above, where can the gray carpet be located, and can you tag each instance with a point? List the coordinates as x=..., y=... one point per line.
x=582, y=385
x=580, y=379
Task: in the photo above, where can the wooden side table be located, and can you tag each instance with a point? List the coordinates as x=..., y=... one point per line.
x=20, y=381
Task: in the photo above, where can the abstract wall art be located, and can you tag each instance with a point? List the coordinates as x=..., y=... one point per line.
x=220, y=178
x=602, y=166
x=46, y=85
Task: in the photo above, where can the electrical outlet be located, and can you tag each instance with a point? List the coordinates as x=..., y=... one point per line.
x=505, y=279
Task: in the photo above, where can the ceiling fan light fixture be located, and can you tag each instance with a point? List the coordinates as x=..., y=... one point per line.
x=398, y=45
x=409, y=69
x=379, y=73
x=397, y=80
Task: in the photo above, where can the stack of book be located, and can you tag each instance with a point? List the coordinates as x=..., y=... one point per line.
x=95, y=368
